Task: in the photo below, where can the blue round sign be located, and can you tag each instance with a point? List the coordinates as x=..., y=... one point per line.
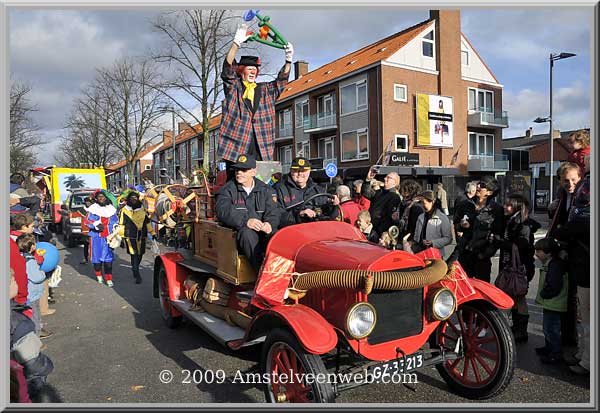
x=331, y=169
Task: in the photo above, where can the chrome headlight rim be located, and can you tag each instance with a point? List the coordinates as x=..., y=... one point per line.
x=353, y=308
x=435, y=297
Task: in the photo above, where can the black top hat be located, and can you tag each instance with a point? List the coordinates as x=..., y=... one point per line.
x=245, y=162
x=300, y=163
x=249, y=61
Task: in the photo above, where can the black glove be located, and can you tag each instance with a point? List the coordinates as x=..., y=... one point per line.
x=100, y=227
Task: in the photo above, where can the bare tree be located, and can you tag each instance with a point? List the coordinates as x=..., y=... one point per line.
x=197, y=42
x=24, y=136
x=89, y=132
x=132, y=107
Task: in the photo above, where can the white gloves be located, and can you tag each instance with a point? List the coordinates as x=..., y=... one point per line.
x=289, y=52
x=240, y=35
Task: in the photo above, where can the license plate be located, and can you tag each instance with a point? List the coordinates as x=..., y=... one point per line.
x=399, y=365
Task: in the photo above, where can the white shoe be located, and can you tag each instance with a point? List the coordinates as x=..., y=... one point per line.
x=99, y=279
x=109, y=283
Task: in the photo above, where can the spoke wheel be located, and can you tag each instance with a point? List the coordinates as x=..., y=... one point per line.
x=287, y=363
x=488, y=348
x=165, y=302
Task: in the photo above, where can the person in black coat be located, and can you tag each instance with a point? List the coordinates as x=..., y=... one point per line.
x=384, y=199
x=487, y=227
x=519, y=230
x=250, y=207
x=409, y=209
x=296, y=187
x=571, y=227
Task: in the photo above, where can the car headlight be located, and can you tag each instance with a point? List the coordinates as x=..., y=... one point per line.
x=360, y=320
x=76, y=220
x=443, y=304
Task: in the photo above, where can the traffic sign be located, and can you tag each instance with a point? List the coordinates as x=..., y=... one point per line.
x=331, y=169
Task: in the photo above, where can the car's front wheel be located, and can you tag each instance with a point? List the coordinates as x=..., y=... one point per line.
x=292, y=372
x=488, y=347
x=165, y=302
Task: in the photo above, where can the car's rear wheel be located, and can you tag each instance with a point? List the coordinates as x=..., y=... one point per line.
x=488, y=347
x=292, y=371
x=165, y=302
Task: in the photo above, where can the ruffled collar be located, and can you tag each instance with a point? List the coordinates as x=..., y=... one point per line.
x=105, y=211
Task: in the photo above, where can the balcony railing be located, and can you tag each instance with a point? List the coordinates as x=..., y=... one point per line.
x=496, y=163
x=488, y=119
x=285, y=132
x=320, y=121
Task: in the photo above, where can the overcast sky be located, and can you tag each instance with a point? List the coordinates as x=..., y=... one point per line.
x=57, y=52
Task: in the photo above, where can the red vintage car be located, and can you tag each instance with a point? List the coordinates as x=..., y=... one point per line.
x=328, y=303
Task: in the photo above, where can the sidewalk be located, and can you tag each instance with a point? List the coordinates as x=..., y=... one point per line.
x=543, y=219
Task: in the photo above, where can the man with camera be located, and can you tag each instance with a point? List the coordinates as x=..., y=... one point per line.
x=384, y=198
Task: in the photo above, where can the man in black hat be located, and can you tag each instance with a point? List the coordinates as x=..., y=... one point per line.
x=296, y=187
x=248, y=120
x=248, y=206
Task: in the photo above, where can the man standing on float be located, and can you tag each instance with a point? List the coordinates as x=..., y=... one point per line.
x=248, y=122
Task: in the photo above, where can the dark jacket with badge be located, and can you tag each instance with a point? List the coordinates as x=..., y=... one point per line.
x=290, y=197
x=235, y=207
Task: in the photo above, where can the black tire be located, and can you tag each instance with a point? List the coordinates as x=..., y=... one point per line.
x=469, y=321
x=165, y=304
x=282, y=341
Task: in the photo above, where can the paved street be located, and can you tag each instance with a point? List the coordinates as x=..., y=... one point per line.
x=110, y=345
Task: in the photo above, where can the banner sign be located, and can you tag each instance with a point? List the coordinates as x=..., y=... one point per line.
x=404, y=159
x=435, y=121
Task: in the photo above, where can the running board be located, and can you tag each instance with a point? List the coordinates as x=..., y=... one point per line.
x=216, y=327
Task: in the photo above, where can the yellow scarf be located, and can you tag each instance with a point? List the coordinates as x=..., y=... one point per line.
x=249, y=92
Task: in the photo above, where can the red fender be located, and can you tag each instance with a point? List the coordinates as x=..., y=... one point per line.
x=176, y=275
x=491, y=293
x=315, y=334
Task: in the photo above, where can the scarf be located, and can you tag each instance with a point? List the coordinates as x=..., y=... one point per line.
x=249, y=92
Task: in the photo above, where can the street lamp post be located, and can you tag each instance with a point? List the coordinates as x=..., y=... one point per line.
x=553, y=57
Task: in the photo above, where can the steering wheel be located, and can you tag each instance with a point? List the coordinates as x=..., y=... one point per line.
x=322, y=216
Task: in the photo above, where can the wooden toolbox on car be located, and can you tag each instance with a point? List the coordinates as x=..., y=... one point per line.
x=216, y=245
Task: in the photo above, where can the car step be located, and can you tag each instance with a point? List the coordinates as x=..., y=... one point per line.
x=218, y=328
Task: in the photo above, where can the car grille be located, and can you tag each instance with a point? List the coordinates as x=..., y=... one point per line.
x=399, y=314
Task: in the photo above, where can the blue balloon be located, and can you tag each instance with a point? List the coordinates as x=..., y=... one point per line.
x=51, y=256
x=250, y=14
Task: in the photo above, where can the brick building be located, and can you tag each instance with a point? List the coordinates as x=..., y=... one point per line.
x=117, y=174
x=371, y=105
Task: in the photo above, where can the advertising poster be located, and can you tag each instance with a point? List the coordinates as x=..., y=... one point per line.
x=435, y=121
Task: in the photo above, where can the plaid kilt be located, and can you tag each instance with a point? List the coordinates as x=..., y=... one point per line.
x=238, y=122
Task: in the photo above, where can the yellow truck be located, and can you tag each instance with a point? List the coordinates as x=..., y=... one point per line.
x=57, y=183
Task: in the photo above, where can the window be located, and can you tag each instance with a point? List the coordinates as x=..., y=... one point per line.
x=285, y=123
x=428, y=44
x=481, y=100
x=326, y=150
x=401, y=143
x=302, y=118
x=481, y=145
x=354, y=97
x=400, y=93
x=303, y=149
x=464, y=57
x=285, y=157
x=325, y=111
x=147, y=167
x=355, y=145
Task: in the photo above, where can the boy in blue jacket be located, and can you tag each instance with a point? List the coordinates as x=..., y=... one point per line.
x=35, y=277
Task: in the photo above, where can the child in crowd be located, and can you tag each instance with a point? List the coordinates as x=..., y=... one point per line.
x=579, y=141
x=35, y=277
x=552, y=296
x=363, y=222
